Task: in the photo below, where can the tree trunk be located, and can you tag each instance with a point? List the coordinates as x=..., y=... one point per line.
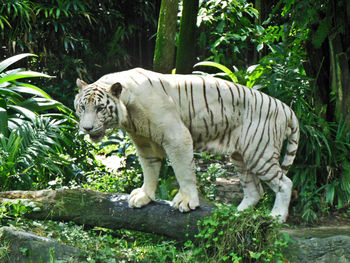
x=340, y=76
x=164, y=53
x=185, y=56
x=90, y=208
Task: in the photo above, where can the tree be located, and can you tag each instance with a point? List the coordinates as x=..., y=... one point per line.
x=327, y=48
x=164, y=53
x=185, y=56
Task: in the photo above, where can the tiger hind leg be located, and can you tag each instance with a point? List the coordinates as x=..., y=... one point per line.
x=282, y=186
x=252, y=190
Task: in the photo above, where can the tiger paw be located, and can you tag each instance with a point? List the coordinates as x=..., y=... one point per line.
x=138, y=198
x=185, y=202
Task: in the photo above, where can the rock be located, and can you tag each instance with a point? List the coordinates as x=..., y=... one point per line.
x=22, y=247
x=319, y=245
x=229, y=190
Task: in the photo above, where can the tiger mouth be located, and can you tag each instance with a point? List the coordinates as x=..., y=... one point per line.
x=95, y=137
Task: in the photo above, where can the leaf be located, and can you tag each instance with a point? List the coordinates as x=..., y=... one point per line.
x=31, y=90
x=219, y=66
x=330, y=193
x=23, y=111
x=39, y=104
x=260, y=47
x=23, y=74
x=252, y=68
x=322, y=32
x=3, y=122
x=7, y=62
x=8, y=92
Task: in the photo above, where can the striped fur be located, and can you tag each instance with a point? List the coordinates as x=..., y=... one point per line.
x=172, y=115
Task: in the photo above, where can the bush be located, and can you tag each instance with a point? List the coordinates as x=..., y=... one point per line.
x=36, y=147
x=232, y=236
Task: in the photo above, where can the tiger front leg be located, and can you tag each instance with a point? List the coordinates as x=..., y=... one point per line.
x=150, y=163
x=179, y=150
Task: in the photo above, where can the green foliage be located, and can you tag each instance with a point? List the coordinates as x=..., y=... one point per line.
x=74, y=38
x=126, y=177
x=227, y=71
x=232, y=236
x=227, y=30
x=319, y=19
x=206, y=180
x=13, y=211
x=36, y=147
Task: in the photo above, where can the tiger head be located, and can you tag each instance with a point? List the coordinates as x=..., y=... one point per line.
x=97, y=108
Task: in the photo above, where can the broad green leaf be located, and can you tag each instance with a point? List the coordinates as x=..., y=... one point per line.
x=39, y=104
x=23, y=111
x=219, y=66
x=30, y=89
x=14, y=123
x=3, y=122
x=10, y=93
x=7, y=62
x=23, y=74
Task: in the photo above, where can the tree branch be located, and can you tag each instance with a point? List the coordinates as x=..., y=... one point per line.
x=90, y=208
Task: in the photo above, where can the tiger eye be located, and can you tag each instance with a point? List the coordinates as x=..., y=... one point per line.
x=99, y=108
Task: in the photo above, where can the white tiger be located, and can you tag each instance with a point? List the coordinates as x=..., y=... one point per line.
x=172, y=115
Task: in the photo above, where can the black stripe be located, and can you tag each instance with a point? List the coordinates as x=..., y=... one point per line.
x=179, y=91
x=205, y=95
x=232, y=97
x=273, y=177
x=264, y=173
x=206, y=127
x=212, y=117
x=291, y=153
x=194, y=113
x=146, y=77
x=225, y=131
x=190, y=117
x=273, y=157
x=163, y=86
x=250, y=125
x=134, y=80
x=220, y=99
x=218, y=90
x=285, y=167
x=262, y=135
x=186, y=90
x=257, y=127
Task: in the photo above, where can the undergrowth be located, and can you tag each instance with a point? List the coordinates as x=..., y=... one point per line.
x=226, y=236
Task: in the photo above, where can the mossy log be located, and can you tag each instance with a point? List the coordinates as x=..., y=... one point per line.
x=91, y=208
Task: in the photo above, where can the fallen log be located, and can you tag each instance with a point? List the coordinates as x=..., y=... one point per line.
x=91, y=208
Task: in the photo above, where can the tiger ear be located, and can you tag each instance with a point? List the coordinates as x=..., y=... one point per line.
x=81, y=84
x=116, y=89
